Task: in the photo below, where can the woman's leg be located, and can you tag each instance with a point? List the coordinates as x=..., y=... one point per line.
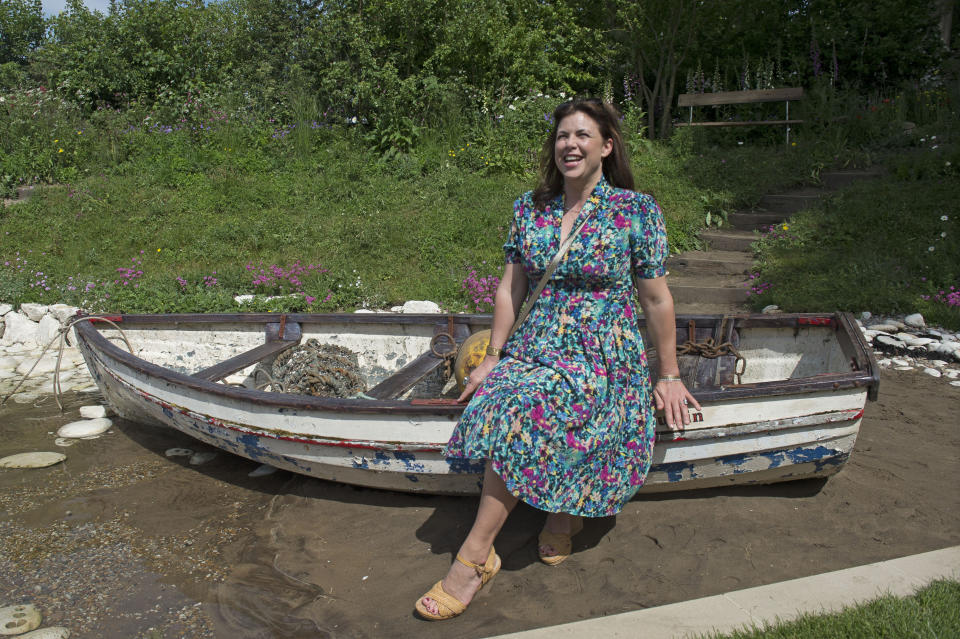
x=561, y=523
x=496, y=502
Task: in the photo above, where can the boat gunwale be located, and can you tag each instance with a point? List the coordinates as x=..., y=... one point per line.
x=90, y=333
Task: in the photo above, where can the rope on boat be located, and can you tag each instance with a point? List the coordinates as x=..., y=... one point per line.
x=321, y=370
x=62, y=337
x=712, y=349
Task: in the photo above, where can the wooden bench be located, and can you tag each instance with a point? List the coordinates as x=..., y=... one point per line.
x=741, y=97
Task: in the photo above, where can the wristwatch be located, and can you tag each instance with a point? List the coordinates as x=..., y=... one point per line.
x=493, y=350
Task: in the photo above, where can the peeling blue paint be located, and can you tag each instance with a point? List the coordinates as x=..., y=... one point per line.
x=674, y=470
x=409, y=461
x=465, y=466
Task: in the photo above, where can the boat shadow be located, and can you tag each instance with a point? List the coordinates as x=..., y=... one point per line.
x=449, y=518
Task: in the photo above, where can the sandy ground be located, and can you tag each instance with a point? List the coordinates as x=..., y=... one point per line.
x=122, y=541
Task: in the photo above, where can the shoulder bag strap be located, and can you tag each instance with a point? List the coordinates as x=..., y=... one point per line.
x=567, y=243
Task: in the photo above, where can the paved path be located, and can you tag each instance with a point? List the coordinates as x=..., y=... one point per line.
x=765, y=604
x=714, y=280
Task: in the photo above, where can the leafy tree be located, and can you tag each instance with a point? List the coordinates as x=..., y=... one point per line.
x=21, y=29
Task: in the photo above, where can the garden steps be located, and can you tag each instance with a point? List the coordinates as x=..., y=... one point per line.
x=728, y=240
x=715, y=280
x=732, y=262
x=721, y=288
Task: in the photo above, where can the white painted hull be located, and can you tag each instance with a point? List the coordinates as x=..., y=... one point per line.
x=749, y=440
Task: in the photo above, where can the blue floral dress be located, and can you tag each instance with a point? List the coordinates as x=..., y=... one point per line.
x=566, y=417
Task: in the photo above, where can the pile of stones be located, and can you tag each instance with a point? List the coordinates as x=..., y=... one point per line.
x=23, y=335
x=906, y=343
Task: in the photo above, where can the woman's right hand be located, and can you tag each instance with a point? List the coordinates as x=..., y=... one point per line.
x=476, y=377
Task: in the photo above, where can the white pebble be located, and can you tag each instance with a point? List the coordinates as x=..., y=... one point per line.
x=938, y=363
x=15, y=620
x=261, y=470
x=772, y=308
x=952, y=373
x=900, y=362
x=63, y=442
x=956, y=383
x=201, y=458
x=31, y=460
x=178, y=452
x=932, y=372
x=866, y=315
x=903, y=368
x=53, y=632
x=85, y=428
x=93, y=412
x=915, y=320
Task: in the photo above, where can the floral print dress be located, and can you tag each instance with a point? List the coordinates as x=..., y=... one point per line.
x=566, y=417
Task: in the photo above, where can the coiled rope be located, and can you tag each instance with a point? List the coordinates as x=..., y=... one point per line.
x=711, y=349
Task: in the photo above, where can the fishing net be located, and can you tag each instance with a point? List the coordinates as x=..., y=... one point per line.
x=321, y=370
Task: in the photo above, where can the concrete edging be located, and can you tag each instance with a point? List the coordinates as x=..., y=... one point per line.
x=763, y=605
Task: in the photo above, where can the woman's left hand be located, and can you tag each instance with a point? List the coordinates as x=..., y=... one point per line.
x=673, y=399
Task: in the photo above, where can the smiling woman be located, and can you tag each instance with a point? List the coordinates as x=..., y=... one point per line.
x=562, y=415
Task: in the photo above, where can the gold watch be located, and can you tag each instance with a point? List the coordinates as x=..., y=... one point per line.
x=493, y=350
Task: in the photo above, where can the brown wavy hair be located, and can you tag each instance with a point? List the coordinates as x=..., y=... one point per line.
x=616, y=166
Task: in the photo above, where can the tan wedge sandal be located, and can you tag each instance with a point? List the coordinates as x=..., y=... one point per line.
x=560, y=542
x=449, y=606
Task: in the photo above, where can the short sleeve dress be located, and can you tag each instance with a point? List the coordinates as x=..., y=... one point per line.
x=566, y=417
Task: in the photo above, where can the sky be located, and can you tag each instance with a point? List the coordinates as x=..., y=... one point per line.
x=53, y=7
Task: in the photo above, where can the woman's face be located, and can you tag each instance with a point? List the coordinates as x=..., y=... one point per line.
x=580, y=149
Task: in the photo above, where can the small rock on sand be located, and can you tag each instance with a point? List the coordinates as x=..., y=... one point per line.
x=261, y=470
x=53, y=632
x=178, y=452
x=903, y=368
x=93, y=412
x=932, y=372
x=30, y=460
x=956, y=383
x=15, y=620
x=85, y=428
x=201, y=458
x=915, y=320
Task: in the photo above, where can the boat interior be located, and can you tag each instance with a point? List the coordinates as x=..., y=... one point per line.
x=412, y=356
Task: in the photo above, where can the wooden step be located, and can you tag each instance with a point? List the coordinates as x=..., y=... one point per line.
x=754, y=220
x=714, y=289
x=709, y=308
x=733, y=262
x=834, y=180
x=789, y=203
x=731, y=240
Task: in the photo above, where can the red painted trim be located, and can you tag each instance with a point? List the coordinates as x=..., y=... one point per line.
x=816, y=321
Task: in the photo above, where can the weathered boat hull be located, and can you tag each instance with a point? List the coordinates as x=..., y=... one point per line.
x=745, y=434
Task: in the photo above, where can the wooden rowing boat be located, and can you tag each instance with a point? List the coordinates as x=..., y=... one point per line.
x=794, y=414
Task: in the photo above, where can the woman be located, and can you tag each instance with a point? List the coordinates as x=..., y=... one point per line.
x=563, y=411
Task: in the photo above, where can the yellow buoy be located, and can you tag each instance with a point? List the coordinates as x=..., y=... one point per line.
x=471, y=353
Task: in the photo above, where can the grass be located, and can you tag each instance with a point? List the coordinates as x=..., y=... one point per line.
x=890, y=245
x=148, y=217
x=191, y=211
x=933, y=612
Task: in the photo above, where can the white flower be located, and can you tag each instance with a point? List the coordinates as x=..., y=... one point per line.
x=947, y=163
x=934, y=146
x=2, y=99
x=512, y=108
x=931, y=249
x=739, y=143
x=562, y=94
x=923, y=139
x=943, y=234
x=944, y=218
x=933, y=137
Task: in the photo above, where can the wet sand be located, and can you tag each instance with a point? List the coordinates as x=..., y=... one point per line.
x=122, y=541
